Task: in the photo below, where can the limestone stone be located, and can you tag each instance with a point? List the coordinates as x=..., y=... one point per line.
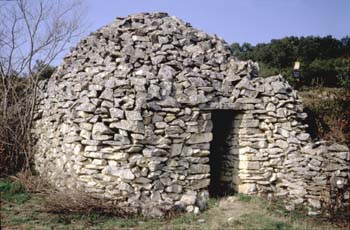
x=249, y=165
x=125, y=187
x=120, y=140
x=86, y=126
x=338, y=148
x=166, y=72
x=154, y=91
x=176, y=149
x=121, y=173
x=343, y=155
x=200, y=138
x=271, y=107
x=86, y=107
x=173, y=130
x=175, y=188
x=100, y=129
x=71, y=139
x=117, y=156
x=281, y=112
x=157, y=59
x=133, y=115
x=247, y=188
x=282, y=144
x=189, y=198
x=85, y=134
x=160, y=125
x=315, y=162
x=116, y=113
x=139, y=110
x=199, y=168
x=133, y=126
x=107, y=94
x=142, y=180
x=303, y=136
x=198, y=184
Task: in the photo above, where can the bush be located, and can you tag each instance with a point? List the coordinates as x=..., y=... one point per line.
x=80, y=202
x=328, y=114
x=15, y=137
x=343, y=72
x=319, y=57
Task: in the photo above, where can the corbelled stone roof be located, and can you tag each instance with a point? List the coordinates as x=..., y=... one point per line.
x=158, y=57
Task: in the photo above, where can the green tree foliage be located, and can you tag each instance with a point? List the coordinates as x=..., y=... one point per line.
x=323, y=60
x=343, y=72
x=44, y=70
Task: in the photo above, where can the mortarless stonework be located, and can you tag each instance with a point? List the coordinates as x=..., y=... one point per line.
x=128, y=116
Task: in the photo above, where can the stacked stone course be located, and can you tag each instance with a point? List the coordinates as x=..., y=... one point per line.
x=127, y=116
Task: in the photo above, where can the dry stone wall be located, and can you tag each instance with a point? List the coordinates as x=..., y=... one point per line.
x=128, y=116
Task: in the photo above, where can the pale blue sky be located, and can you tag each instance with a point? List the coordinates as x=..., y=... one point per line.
x=253, y=21
x=240, y=21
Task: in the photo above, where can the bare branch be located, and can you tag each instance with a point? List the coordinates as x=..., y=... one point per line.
x=31, y=31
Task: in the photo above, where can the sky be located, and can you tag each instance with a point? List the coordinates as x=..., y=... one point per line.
x=253, y=21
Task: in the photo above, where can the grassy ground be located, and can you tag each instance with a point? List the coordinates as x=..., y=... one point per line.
x=20, y=210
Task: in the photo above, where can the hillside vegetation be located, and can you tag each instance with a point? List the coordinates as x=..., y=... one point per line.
x=324, y=61
x=329, y=113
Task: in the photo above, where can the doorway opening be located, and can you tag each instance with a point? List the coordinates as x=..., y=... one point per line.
x=221, y=156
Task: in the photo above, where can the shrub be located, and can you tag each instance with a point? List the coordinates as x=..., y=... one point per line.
x=80, y=202
x=343, y=72
x=328, y=114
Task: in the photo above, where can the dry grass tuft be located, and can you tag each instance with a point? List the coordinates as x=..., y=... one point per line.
x=80, y=202
x=63, y=202
x=31, y=183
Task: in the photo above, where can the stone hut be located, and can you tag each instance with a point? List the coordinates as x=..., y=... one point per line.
x=155, y=114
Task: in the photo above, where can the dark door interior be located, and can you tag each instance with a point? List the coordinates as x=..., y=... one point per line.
x=219, y=152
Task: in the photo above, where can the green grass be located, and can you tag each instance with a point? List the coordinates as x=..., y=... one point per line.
x=20, y=210
x=244, y=198
x=259, y=221
x=13, y=192
x=183, y=219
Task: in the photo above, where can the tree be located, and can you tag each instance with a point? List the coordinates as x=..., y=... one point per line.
x=346, y=44
x=30, y=31
x=343, y=72
x=43, y=70
x=236, y=49
x=318, y=56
